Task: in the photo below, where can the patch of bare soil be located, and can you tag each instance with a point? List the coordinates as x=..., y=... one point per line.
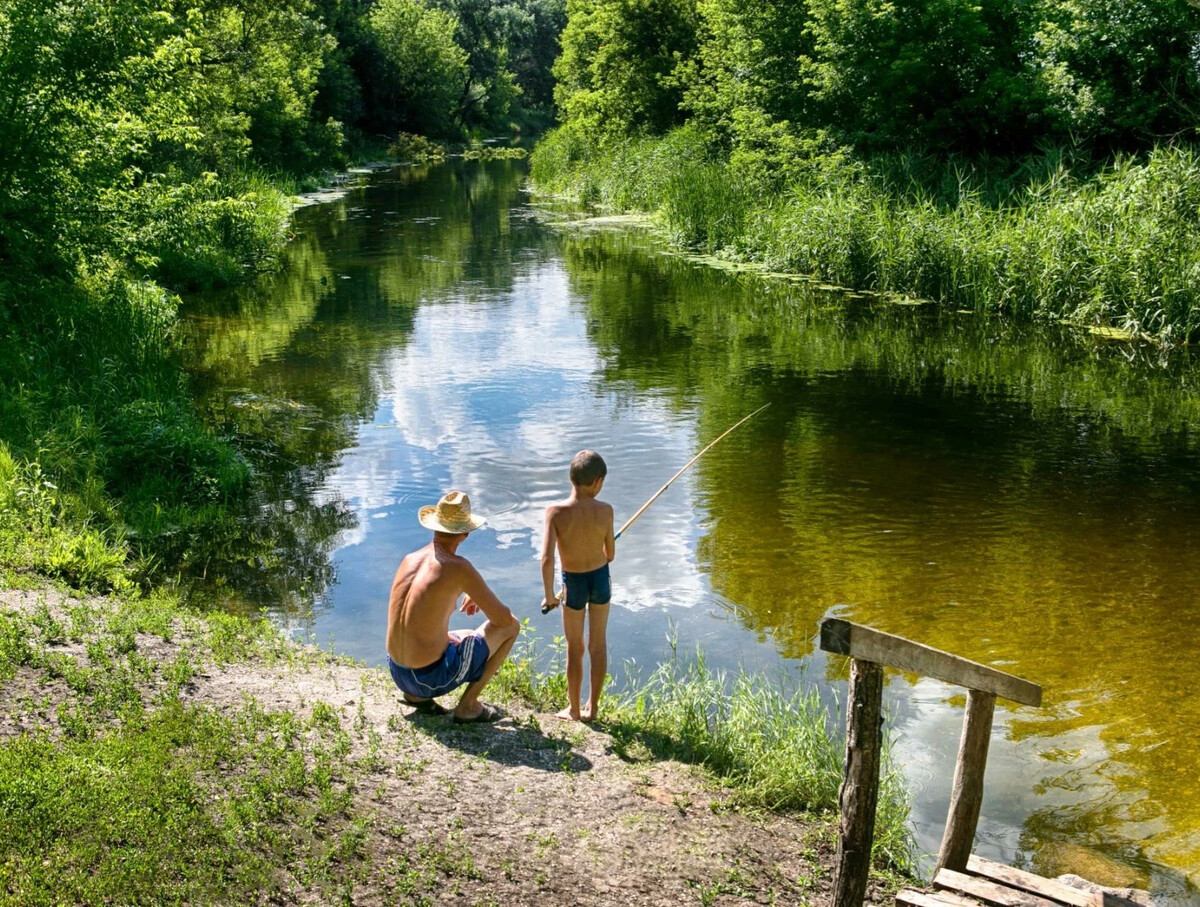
x=531, y=810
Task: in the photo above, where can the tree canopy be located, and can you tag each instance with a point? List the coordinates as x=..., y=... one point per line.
x=971, y=76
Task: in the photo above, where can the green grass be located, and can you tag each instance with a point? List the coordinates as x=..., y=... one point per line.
x=1115, y=245
x=124, y=792
x=771, y=742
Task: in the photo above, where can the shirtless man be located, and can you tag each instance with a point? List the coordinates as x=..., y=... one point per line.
x=425, y=658
x=581, y=530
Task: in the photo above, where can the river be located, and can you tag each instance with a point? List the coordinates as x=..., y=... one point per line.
x=1022, y=495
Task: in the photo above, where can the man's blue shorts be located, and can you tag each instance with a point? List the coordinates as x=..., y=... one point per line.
x=462, y=662
x=591, y=588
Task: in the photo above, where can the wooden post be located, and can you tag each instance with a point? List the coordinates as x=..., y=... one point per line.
x=860, y=787
x=967, y=794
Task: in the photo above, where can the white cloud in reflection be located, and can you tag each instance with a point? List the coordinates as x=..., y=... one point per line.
x=495, y=398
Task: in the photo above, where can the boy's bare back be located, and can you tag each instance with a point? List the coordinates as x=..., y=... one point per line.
x=582, y=529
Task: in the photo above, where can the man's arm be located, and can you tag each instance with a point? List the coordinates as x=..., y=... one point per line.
x=610, y=541
x=481, y=595
x=549, y=543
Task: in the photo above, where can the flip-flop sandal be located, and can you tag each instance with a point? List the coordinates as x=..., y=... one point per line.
x=428, y=707
x=489, y=715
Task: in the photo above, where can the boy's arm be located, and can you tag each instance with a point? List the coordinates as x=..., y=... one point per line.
x=549, y=542
x=610, y=541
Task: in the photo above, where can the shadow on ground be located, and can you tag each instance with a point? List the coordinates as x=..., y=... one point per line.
x=507, y=742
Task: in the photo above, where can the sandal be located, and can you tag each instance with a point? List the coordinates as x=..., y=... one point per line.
x=427, y=707
x=487, y=715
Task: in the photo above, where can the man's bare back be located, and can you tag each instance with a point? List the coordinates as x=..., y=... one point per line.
x=425, y=590
x=426, y=660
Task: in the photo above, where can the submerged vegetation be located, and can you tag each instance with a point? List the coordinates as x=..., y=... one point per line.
x=1032, y=161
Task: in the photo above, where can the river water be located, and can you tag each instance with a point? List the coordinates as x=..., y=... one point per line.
x=1024, y=496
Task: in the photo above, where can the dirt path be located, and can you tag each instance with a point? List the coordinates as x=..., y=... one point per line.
x=529, y=811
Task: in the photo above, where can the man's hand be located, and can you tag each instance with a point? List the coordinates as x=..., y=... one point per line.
x=550, y=602
x=468, y=606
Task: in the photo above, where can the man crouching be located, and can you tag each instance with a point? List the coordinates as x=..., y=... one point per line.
x=425, y=658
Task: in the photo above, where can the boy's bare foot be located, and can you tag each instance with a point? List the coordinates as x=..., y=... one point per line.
x=568, y=715
x=588, y=713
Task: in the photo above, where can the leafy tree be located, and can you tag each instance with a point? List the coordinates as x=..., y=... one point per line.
x=939, y=73
x=532, y=49
x=487, y=89
x=424, y=70
x=617, y=72
x=1117, y=72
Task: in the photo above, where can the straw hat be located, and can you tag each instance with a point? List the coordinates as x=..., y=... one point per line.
x=452, y=514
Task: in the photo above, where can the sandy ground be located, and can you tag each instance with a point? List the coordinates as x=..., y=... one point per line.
x=544, y=811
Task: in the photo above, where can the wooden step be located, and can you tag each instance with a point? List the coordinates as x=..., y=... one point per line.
x=910, y=897
x=989, y=892
x=1027, y=881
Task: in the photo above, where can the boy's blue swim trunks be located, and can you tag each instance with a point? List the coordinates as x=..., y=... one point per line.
x=591, y=588
x=462, y=662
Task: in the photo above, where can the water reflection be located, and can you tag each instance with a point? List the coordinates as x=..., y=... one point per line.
x=1005, y=492
x=1005, y=498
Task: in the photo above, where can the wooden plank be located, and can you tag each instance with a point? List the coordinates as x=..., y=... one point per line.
x=989, y=892
x=910, y=897
x=860, y=787
x=966, y=794
x=1035, y=884
x=845, y=638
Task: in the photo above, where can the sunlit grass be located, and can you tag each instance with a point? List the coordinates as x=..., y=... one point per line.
x=121, y=790
x=770, y=740
x=1117, y=245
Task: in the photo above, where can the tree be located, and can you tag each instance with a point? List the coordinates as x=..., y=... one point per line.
x=424, y=69
x=618, y=70
x=944, y=74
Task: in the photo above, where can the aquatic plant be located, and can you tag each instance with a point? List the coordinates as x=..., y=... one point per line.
x=1116, y=246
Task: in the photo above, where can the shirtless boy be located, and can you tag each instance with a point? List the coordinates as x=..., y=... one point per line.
x=425, y=658
x=581, y=528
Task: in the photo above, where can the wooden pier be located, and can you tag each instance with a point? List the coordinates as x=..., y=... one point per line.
x=961, y=879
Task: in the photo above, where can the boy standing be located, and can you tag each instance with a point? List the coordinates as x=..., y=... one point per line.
x=581, y=528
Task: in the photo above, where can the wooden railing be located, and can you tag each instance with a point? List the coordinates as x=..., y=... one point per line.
x=870, y=652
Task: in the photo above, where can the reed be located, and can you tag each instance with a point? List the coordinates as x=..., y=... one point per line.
x=1053, y=236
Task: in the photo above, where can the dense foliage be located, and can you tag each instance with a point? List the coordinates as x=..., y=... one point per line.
x=946, y=75
x=145, y=149
x=1017, y=157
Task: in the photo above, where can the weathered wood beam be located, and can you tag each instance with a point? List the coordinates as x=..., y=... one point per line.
x=1035, y=884
x=988, y=892
x=910, y=897
x=860, y=787
x=966, y=794
x=845, y=638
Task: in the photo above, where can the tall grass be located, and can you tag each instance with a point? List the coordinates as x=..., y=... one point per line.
x=772, y=741
x=1117, y=245
x=119, y=477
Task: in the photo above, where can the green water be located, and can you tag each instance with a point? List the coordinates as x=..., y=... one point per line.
x=1019, y=495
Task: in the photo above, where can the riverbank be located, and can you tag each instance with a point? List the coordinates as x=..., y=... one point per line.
x=1116, y=247
x=149, y=753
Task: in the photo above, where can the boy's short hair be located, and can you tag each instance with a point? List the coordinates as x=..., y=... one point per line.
x=587, y=467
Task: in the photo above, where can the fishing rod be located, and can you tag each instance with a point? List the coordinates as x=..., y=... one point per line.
x=654, y=497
